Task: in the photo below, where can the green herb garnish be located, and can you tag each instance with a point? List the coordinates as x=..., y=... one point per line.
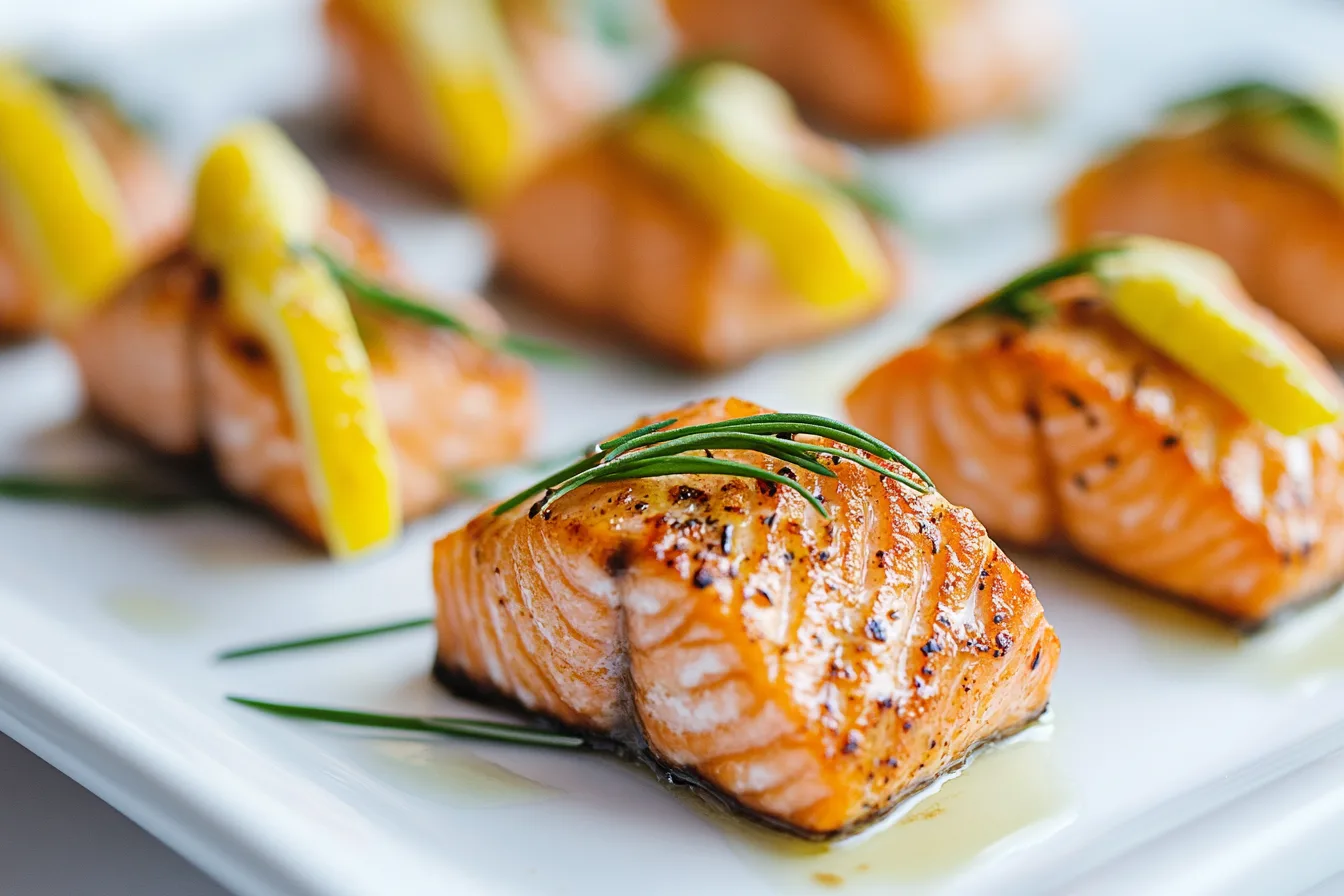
x=322, y=640
x=659, y=450
x=375, y=295
x=472, y=729
x=1263, y=100
x=611, y=20
x=74, y=89
x=675, y=90
x=870, y=197
x=676, y=93
x=1020, y=298
x=114, y=494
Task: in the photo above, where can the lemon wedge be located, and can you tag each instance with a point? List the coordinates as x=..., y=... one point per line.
x=61, y=193
x=460, y=52
x=1178, y=299
x=725, y=133
x=256, y=196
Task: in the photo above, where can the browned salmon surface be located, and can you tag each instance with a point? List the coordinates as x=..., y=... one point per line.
x=1075, y=431
x=853, y=67
x=814, y=671
x=136, y=355
x=600, y=235
x=162, y=362
x=1282, y=232
x=153, y=200
x=391, y=110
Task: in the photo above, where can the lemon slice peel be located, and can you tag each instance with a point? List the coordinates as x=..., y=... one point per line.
x=62, y=195
x=256, y=195
x=727, y=135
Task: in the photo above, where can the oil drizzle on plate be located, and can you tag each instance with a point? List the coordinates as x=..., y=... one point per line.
x=154, y=614
x=453, y=775
x=1304, y=651
x=1183, y=635
x=1011, y=796
x=1301, y=651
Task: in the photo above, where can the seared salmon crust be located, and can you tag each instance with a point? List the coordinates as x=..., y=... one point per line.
x=811, y=672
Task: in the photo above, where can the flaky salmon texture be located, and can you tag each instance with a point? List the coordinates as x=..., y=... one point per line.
x=162, y=362
x=812, y=671
x=1074, y=431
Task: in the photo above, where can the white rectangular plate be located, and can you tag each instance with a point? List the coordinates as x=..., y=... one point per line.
x=1178, y=756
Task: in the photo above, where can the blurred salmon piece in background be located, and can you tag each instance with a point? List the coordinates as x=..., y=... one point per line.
x=705, y=221
x=172, y=361
x=84, y=140
x=469, y=93
x=880, y=69
x=1251, y=172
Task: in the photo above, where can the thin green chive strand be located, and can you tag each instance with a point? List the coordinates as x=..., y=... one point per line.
x=454, y=727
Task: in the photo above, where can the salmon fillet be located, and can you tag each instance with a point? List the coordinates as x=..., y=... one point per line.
x=163, y=363
x=153, y=199
x=136, y=354
x=1076, y=431
x=850, y=67
x=1282, y=232
x=603, y=236
x=810, y=672
x=389, y=109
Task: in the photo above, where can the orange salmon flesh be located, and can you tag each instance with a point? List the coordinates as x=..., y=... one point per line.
x=601, y=236
x=567, y=80
x=811, y=671
x=164, y=364
x=153, y=198
x=854, y=70
x=1076, y=431
x=1282, y=232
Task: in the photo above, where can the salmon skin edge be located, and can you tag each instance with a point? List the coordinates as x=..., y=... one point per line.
x=461, y=685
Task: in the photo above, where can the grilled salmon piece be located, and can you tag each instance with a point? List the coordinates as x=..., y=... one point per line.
x=1077, y=431
x=136, y=354
x=452, y=408
x=868, y=69
x=1282, y=232
x=603, y=236
x=162, y=362
x=566, y=83
x=812, y=671
x=153, y=200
